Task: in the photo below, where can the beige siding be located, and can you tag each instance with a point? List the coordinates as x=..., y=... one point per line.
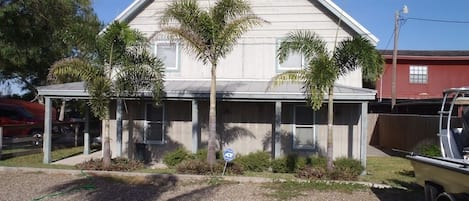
x=244, y=126
x=254, y=56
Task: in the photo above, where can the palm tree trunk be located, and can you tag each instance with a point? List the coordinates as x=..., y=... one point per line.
x=212, y=118
x=106, y=145
x=330, y=122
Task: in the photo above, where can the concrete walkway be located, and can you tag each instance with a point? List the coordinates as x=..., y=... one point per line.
x=79, y=158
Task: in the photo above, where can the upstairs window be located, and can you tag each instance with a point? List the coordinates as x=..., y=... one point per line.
x=294, y=61
x=168, y=52
x=418, y=74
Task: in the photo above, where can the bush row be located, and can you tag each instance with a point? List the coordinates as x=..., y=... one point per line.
x=304, y=167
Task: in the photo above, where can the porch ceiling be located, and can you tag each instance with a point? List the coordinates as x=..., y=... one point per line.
x=226, y=90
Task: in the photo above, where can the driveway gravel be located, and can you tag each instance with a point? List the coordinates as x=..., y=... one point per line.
x=39, y=185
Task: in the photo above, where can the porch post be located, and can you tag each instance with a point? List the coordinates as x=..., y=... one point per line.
x=119, y=127
x=278, y=122
x=46, y=140
x=86, y=134
x=363, y=135
x=195, y=126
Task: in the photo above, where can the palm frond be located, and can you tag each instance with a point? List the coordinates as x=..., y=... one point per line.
x=320, y=75
x=304, y=42
x=144, y=75
x=193, y=43
x=73, y=69
x=232, y=31
x=356, y=52
x=100, y=90
x=225, y=11
x=292, y=76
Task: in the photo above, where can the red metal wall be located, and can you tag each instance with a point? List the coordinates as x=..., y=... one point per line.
x=441, y=75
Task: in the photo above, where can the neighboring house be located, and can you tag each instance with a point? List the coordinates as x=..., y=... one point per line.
x=421, y=78
x=251, y=116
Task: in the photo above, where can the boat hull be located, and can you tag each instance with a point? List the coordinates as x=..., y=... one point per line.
x=452, y=175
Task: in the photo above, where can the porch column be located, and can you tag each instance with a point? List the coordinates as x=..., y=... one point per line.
x=46, y=139
x=86, y=134
x=119, y=127
x=195, y=126
x=364, y=136
x=278, y=121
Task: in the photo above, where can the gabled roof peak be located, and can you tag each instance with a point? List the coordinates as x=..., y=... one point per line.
x=133, y=9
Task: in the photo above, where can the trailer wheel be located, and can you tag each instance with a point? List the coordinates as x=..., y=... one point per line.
x=445, y=197
x=432, y=190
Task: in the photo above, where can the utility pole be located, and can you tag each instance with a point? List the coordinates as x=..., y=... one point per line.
x=394, y=55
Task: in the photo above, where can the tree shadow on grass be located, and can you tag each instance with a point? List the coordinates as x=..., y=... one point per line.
x=409, y=192
x=197, y=194
x=113, y=187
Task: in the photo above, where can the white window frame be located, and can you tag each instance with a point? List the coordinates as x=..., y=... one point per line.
x=286, y=68
x=418, y=74
x=155, y=51
x=147, y=122
x=312, y=126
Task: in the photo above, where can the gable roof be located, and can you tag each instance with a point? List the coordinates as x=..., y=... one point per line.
x=138, y=5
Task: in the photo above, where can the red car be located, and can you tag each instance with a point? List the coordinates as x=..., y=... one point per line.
x=18, y=112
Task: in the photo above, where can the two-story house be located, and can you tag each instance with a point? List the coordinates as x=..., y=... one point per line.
x=251, y=115
x=421, y=77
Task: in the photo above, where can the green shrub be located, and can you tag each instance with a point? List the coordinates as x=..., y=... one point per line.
x=202, y=155
x=175, y=157
x=117, y=164
x=311, y=173
x=232, y=168
x=318, y=161
x=257, y=161
x=279, y=165
x=430, y=150
x=290, y=163
x=200, y=167
x=193, y=166
x=346, y=169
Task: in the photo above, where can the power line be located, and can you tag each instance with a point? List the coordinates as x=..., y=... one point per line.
x=438, y=20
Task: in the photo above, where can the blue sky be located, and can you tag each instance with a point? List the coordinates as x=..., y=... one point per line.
x=378, y=17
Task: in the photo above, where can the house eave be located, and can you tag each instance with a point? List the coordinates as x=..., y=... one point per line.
x=347, y=19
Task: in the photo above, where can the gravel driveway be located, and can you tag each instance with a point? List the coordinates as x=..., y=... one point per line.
x=18, y=185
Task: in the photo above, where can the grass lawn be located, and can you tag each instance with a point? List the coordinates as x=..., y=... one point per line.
x=35, y=160
x=393, y=171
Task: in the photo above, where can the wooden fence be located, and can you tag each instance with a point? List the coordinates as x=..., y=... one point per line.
x=403, y=131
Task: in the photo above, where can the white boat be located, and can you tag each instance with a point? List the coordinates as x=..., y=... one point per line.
x=446, y=178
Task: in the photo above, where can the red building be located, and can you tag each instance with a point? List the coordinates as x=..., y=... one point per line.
x=422, y=75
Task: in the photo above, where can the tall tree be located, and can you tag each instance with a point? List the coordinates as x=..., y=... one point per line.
x=210, y=35
x=120, y=67
x=36, y=33
x=324, y=68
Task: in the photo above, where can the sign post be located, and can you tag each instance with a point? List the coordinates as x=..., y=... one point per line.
x=228, y=155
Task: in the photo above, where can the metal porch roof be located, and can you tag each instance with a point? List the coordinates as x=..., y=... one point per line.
x=226, y=90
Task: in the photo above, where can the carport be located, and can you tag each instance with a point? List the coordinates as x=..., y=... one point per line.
x=67, y=91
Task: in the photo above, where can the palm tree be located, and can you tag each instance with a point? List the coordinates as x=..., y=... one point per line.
x=120, y=67
x=324, y=68
x=210, y=35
